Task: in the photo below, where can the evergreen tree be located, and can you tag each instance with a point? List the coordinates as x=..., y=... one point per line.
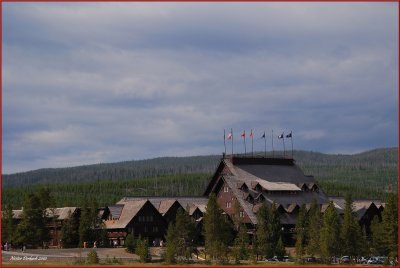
x=352, y=240
x=171, y=250
x=85, y=224
x=280, y=250
x=262, y=240
x=217, y=230
x=240, y=249
x=32, y=228
x=274, y=227
x=130, y=243
x=142, y=249
x=185, y=237
x=301, y=232
x=314, y=229
x=69, y=232
x=329, y=237
x=8, y=225
x=378, y=241
x=390, y=227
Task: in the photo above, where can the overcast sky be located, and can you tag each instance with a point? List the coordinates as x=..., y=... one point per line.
x=105, y=82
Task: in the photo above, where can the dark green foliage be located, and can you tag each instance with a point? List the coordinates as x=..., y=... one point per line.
x=301, y=232
x=130, y=243
x=151, y=168
x=314, y=230
x=240, y=248
x=364, y=175
x=351, y=237
x=390, y=224
x=185, y=234
x=329, y=237
x=171, y=250
x=384, y=234
x=280, y=248
x=85, y=232
x=8, y=225
x=69, y=232
x=92, y=257
x=217, y=230
x=142, y=250
x=89, y=224
x=107, y=192
x=32, y=228
x=378, y=243
x=262, y=245
x=274, y=227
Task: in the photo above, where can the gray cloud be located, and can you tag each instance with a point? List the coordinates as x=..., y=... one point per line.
x=99, y=82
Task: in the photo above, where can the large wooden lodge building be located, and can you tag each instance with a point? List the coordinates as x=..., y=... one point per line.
x=249, y=181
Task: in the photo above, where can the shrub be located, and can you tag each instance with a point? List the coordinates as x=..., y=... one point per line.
x=92, y=257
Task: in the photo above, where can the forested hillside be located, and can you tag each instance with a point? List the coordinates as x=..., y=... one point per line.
x=115, y=171
x=365, y=175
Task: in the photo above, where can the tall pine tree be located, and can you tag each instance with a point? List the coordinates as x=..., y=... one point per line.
x=329, y=237
x=351, y=237
x=171, y=248
x=390, y=227
x=301, y=232
x=32, y=228
x=217, y=230
x=315, y=224
x=69, y=232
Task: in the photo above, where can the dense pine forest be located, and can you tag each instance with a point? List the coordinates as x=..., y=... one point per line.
x=366, y=175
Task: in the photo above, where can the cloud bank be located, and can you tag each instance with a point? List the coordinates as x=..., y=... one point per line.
x=104, y=82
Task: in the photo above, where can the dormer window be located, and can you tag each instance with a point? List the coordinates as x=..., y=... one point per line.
x=226, y=189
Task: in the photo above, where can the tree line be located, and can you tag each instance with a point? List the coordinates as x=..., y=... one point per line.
x=108, y=192
x=329, y=235
x=38, y=220
x=324, y=235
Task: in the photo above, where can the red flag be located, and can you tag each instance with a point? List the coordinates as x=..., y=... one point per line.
x=229, y=136
x=243, y=134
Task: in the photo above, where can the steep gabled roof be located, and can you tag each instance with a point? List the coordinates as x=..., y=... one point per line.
x=163, y=204
x=129, y=211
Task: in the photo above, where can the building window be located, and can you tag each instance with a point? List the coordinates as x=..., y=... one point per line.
x=241, y=214
x=226, y=189
x=155, y=229
x=145, y=229
x=228, y=204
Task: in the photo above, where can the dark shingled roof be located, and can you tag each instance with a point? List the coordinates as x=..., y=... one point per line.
x=277, y=180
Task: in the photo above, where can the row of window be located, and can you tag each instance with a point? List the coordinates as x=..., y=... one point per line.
x=229, y=205
x=146, y=218
x=155, y=229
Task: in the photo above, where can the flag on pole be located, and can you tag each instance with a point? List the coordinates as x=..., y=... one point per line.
x=289, y=135
x=224, y=142
x=229, y=137
x=244, y=140
x=251, y=136
x=280, y=136
x=263, y=136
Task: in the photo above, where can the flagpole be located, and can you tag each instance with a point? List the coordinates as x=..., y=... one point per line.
x=244, y=140
x=272, y=138
x=252, y=152
x=265, y=146
x=283, y=139
x=232, y=140
x=291, y=139
x=224, y=141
